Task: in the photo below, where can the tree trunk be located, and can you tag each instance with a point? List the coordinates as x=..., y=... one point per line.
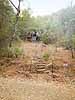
x=16, y=22
x=52, y=69
x=72, y=53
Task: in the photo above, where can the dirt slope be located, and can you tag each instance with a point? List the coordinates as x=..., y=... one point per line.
x=22, y=67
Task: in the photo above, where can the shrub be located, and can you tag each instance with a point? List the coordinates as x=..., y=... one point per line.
x=11, y=52
x=45, y=39
x=46, y=56
x=18, y=51
x=4, y=52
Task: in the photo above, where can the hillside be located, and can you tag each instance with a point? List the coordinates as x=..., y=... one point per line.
x=33, y=65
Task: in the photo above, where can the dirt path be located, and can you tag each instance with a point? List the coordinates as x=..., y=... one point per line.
x=12, y=89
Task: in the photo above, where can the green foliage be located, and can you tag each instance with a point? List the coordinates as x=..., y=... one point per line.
x=45, y=39
x=73, y=41
x=68, y=42
x=11, y=52
x=6, y=14
x=15, y=52
x=4, y=52
x=18, y=51
x=24, y=23
x=61, y=24
x=46, y=56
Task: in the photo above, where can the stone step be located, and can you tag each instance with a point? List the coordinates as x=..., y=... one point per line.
x=41, y=70
x=40, y=67
x=40, y=64
x=36, y=58
x=47, y=71
x=20, y=72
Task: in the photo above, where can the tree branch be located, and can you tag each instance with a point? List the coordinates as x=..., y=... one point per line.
x=13, y=5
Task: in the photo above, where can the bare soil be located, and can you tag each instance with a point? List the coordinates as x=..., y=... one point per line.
x=30, y=77
x=18, y=89
x=25, y=67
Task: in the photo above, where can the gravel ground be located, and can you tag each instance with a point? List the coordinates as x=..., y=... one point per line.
x=17, y=89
